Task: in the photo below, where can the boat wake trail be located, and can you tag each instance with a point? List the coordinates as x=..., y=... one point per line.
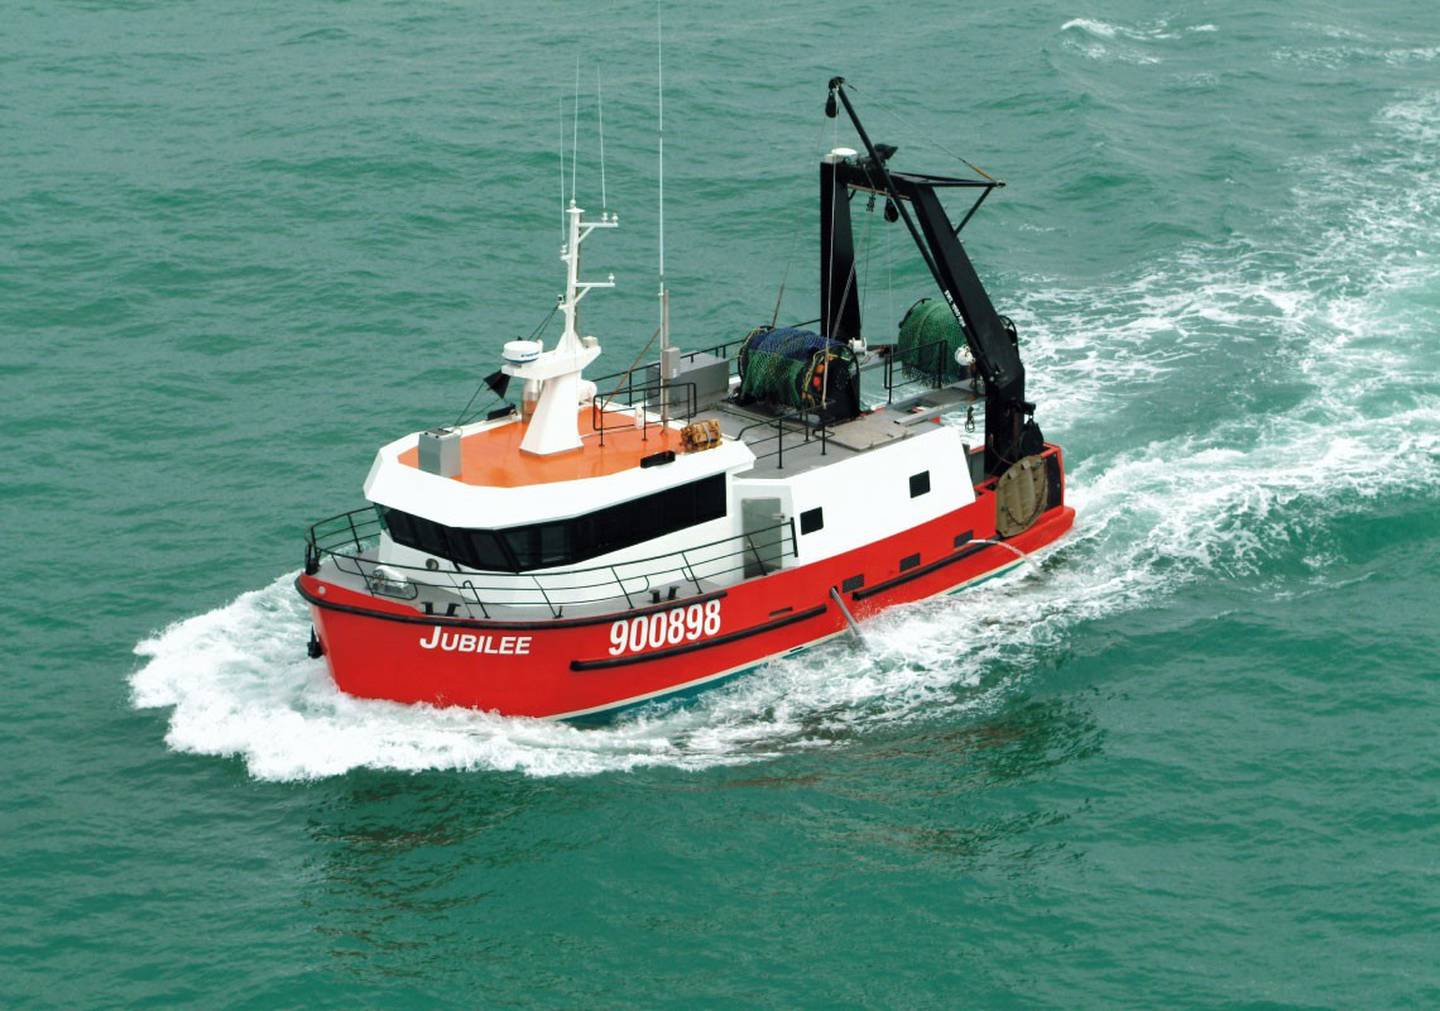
x=1335, y=334
x=240, y=685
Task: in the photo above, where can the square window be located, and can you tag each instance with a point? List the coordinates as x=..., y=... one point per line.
x=919, y=483
x=812, y=520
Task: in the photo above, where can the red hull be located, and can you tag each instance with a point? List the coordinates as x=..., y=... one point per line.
x=564, y=668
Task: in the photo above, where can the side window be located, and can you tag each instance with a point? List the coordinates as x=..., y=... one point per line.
x=919, y=484
x=812, y=520
x=710, y=499
x=563, y=542
x=482, y=550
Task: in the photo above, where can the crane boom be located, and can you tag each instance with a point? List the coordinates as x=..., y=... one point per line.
x=1010, y=428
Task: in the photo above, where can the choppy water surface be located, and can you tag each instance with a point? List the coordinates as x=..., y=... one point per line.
x=1188, y=758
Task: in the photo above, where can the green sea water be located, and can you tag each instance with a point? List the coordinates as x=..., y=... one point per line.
x=1190, y=759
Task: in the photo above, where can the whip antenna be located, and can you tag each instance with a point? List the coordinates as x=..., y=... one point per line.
x=664, y=292
x=600, y=112
x=564, y=228
x=660, y=104
x=575, y=136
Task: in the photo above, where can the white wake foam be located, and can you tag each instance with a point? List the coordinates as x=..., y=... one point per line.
x=1210, y=503
x=240, y=685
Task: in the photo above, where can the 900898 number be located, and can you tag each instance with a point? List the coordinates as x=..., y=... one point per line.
x=664, y=628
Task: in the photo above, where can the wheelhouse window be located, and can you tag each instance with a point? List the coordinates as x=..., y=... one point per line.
x=563, y=542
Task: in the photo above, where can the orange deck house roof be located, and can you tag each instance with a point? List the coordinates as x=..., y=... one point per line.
x=493, y=458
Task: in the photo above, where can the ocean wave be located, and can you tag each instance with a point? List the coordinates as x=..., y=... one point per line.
x=1102, y=40
x=1106, y=30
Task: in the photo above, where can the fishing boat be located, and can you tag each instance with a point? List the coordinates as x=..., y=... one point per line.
x=620, y=539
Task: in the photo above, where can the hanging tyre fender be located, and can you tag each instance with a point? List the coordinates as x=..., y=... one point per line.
x=1020, y=496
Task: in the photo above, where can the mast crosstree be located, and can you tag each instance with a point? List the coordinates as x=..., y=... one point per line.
x=555, y=427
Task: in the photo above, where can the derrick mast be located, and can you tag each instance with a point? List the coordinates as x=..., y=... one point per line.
x=1010, y=428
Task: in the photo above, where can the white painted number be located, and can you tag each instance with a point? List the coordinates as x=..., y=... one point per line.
x=665, y=628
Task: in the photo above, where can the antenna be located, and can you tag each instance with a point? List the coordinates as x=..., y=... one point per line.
x=564, y=225
x=600, y=111
x=575, y=136
x=660, y=92
x=664, y=292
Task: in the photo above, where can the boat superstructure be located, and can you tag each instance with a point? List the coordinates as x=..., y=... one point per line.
x=641, y=534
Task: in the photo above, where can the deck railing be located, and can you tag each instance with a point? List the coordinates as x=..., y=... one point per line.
x=812, y=426
x=348, y=541
x=911, y=368
x=682, y=396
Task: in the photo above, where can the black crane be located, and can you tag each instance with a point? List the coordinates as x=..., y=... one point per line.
x=1010, y=429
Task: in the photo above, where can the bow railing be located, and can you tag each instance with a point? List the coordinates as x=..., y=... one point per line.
x=349, y=543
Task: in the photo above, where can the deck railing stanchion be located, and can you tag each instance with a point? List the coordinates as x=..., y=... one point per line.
x=758, y=560
x=689, y=569
x=621, y=583
x=541, y=587
x=476, y=594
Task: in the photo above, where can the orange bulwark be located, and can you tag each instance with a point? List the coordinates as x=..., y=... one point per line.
x=493, y=457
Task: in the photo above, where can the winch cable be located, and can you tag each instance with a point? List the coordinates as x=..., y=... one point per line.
x=865, y=270
x=889, y=278
x=1024, y=556
x=794, y=241
x=826, y=324
x=460, y=418
x=605, y=402
x=924, y=136
x=859, y=636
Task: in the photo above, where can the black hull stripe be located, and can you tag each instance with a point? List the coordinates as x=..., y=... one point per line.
x=691, y=647
x=436, y=619
x=924, y=570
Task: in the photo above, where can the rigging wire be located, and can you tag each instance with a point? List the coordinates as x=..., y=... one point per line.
x=865, y=270
x=460, y=418
x=624, y=376
x=889, y=276
x=826, y=309
x=794, y=240
x=923, y=135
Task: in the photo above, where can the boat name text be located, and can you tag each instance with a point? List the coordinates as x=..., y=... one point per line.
x=466, y=642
